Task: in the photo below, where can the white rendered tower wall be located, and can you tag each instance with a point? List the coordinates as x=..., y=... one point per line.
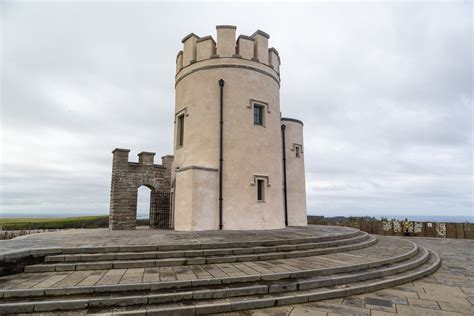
x=251, y=152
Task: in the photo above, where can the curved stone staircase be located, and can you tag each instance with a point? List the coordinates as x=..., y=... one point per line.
x=189, y=279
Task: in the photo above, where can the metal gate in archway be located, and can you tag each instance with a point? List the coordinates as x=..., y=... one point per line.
x=161, y=210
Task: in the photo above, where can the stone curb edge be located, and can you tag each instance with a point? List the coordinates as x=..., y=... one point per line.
x=164, y=247
x=223, y=251
x=124, y=264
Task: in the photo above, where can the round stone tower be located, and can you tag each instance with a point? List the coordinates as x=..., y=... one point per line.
x=227, y=169
x=293, y=169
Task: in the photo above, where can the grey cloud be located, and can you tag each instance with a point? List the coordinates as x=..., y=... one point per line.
x=384, y=90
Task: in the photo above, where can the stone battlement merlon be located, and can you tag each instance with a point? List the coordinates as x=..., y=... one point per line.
x=260, y=32
x=188, y=37
x=245, y=37
x=145, y=158
x=233, y=27
x=121, y=150
x=205, y=38
x=253, y=48
x=288, y=119
x=205, y=47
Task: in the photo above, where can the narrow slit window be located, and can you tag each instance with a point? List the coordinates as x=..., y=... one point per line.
x=260, y=190
x=258, y=114
x=180, y=136
x=298, y=152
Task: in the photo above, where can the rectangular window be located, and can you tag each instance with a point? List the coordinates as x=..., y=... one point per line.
x=180, y=130
x=260, y=190
x=258, y=114
x=298, y=152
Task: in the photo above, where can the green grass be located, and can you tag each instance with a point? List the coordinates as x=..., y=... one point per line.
x=54, y=223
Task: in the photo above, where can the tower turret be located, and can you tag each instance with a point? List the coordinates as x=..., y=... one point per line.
x=294, y=186
x=231, y=178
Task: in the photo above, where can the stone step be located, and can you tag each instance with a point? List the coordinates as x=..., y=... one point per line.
x=13, y=258
x=239, y=303
x=385, y=251
x=108, y=256
x=126, y=264
x=182, y=284
x=201, y=245
x=288, y=291
x=270, y=300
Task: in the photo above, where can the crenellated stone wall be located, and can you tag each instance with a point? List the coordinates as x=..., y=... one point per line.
x=127, y=177
x=422, y=229
x=253, y=48
x=411, y=228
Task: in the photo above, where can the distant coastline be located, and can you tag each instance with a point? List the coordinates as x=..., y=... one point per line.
x=420, y=218
x=416, y=218
x=424, y=218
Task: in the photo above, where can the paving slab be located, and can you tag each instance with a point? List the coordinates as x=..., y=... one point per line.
x=448, y=292
x=277, y=268
x=423, y=303
x=147, y=238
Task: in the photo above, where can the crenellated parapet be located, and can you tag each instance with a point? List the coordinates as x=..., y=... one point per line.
x=249, y=49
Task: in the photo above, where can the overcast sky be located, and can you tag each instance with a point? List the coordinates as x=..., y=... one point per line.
x=384, y=90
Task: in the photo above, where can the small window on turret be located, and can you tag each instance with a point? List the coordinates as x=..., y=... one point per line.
x=180, y=131
x=258, y=111
x=298, y=152
x=260, y=190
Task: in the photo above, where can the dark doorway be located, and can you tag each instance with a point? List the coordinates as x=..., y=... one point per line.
x=160, y=209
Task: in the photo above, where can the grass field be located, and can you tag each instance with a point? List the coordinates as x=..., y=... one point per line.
x=54, y=223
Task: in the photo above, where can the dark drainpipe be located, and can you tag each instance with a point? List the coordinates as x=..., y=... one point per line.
x=221, y=157
x=283, y=127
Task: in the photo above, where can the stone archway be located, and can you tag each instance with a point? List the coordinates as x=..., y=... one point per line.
x=127, y=177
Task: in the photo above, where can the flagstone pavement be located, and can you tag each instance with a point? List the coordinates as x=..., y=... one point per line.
x=449, y=291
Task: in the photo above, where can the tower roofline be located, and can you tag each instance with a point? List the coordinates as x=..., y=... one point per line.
x=189, y=36
x=292, y=120
x=226, y=27
x=251, y=52
x=260, y=32
x=273, y=49
x=205, y=38
x=245, y=37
